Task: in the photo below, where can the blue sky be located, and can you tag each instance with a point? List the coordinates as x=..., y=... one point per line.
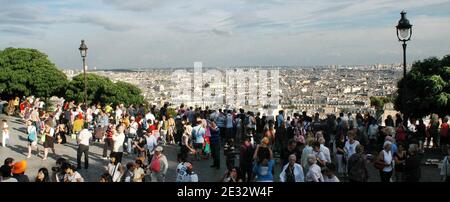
x=168, y=33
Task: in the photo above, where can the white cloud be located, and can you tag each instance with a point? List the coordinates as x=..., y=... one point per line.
x=222, y=32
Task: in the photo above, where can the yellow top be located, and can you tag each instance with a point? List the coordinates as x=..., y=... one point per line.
x=78, y=125
x=108, y=109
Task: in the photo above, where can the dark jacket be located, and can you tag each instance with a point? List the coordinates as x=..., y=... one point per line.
x=412, y=168
x=21, y=177
x=357, y=168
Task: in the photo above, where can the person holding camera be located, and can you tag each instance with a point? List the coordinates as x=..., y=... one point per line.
x=57, y=172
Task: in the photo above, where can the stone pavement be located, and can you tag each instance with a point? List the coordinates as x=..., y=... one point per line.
x=97, y=165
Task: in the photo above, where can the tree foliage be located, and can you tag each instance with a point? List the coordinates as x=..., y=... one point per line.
x=25, y=72
x=379, y=102
x=425, y=89
x=102, y=90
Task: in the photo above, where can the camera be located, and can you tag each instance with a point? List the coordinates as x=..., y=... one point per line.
x=56, y=169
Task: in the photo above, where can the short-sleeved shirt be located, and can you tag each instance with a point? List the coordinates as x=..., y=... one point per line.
x=138, y=173
x=351, y=148
x=264, y=173
x=181, y=171
x=84, y=137
x=198, y=132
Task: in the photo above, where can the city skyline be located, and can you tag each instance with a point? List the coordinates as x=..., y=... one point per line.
x=146, y=34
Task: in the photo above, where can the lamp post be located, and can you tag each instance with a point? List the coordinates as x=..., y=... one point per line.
x=404, y=33
x=83, y=51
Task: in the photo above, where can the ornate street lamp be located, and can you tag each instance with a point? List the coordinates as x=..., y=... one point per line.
x=404, y=33
x=83, y=51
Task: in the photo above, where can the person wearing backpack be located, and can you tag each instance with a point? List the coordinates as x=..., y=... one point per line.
x=158, y=166
x=32, y=138
x=445, y=170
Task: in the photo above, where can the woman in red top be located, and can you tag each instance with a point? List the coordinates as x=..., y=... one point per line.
x=22, y=108
x=444, y=133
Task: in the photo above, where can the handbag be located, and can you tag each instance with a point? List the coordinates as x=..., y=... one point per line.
x=379, y=164
x=32, y=136
x=43, y=138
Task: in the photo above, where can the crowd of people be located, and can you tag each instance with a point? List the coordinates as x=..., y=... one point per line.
x=307, y=149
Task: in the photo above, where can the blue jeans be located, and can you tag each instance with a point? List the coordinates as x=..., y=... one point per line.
x=129, y=145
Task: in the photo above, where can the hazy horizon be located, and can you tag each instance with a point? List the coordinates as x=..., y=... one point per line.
x=175, y=33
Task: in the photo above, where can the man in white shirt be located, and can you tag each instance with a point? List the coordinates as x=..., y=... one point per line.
x=83, y=146
x=324, y=149
x=150, y=116
x=119, y=139
x=132, y=133
x=292, y=171
x=319, y=154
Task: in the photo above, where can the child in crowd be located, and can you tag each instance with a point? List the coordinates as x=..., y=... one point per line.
x=330, y=171
x=5, y=133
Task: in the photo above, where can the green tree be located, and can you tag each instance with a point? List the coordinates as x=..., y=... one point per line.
x=425, y=89
x=377, y=102
x=102, y=90
x=25, y=72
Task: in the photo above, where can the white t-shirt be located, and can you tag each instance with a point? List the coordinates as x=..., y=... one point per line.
x=331, y=179
x=118, y=142
x=113, y=170
x=351, y=148
x=320, y=155
x=118, y=112
x=150, y=116
x=133, y=127
x=314, y=174
x=84, y=137
x=11, y=179
x=326, y=152
x=138, y=173
x=74, y=177
x=181, y=171
x=41, y=104
x=190, y=178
